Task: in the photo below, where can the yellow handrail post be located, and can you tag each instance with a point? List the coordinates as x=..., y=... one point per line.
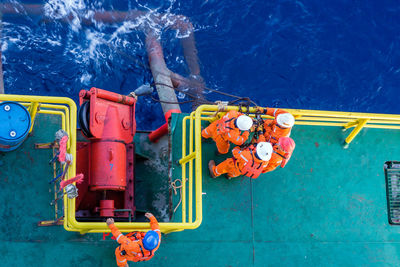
x=350, y=124
x=360, y=125
x=187, y=158
x=33, y=109
x=183, y=189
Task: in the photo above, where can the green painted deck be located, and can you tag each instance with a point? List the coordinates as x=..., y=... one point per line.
x=327, y=207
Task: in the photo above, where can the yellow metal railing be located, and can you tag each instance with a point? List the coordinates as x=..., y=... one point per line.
x=66, y=108
x=345, y=120
x=192, y=157
x=191, y=161
x=187, y=193
x=59, y=106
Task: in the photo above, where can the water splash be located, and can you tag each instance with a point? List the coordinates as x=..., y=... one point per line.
x=71, y=9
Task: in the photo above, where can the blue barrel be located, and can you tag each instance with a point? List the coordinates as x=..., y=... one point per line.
x=15, y=122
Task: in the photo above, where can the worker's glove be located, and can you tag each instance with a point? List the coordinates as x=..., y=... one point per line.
x=110, y=221
x=260, y=128
x=253, y=128
x=262, y=110
x=148, y=215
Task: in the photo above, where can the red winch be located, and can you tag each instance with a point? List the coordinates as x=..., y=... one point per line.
x=107, y=120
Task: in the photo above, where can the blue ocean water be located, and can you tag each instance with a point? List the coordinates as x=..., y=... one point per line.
x=330, y=55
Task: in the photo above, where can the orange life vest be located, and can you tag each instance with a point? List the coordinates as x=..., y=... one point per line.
x=273, y=132
x=252, y=168
x=285, y=158
x=224, y=125
x=134, y=236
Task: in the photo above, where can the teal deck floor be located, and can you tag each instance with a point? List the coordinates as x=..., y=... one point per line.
x=327, y=207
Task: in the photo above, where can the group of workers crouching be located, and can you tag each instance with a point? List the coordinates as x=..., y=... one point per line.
x=268, y=148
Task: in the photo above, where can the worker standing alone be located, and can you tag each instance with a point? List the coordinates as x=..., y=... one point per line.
x=139, y=248
x=281, y=126
x=232, y=127
x=249, y=161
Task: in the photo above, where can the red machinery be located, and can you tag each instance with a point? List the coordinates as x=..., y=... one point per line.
x=108, y=121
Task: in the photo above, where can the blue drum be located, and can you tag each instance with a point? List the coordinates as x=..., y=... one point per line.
x=15, y=122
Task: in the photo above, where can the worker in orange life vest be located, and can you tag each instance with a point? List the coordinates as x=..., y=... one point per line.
x=139, y=248
x=282, y=151
x=249, y=161
x=279, y=127
x=232, y=127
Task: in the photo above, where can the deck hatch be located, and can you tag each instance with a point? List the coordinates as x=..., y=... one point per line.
x=392, y=177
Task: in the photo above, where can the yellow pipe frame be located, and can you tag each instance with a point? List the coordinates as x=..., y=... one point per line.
x=192, y=154
x=187, y=158
x=33, y=109
x=360, y=124
x=69, y=223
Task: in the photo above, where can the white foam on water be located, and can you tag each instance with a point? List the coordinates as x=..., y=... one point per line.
x=181, y=95
x=69, y=9
x=4, y=46
x=86, y=78
x=53, y=43
x=95, y=39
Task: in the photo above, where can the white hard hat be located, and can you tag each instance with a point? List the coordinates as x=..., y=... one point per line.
x=264, y=151
x=285, y=120
x=244, y=122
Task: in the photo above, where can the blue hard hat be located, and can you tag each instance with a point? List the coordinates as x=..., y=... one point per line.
x=150, y=240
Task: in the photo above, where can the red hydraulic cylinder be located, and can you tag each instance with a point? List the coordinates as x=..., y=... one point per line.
x=112, y=124
x=109, y=122
x=108, y=166
x=106, y=208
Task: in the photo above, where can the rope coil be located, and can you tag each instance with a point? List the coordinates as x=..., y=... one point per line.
x=175, y=187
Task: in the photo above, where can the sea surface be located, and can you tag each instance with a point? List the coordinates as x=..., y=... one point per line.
x=330, y=55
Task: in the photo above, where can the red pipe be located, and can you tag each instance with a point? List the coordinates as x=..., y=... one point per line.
x=158, y=133
x=163, y=130
x=114, y=97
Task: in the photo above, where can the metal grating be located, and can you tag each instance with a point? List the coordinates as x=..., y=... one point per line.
x=392, y=176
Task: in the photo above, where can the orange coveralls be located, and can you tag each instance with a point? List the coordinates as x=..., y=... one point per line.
x=134, y=249
x=276, y=158
x=223, y=131
x=236, y=165
x=275, y=161
x=272, y=130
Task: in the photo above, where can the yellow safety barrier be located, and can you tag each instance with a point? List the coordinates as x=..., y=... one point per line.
x=189, y=158
x=60, y=106
x=345, y=120
x=191, y=161
x=191, y=154
x=50, y=105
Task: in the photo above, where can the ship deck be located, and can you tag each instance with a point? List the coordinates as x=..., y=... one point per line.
x=327, y=207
